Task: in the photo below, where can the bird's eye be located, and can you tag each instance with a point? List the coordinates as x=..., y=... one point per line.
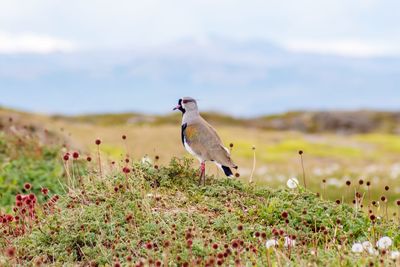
x=186, y=101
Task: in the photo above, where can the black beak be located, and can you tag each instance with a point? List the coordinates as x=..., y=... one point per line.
x=177, y=107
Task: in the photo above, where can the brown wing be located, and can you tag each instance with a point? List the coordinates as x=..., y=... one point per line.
x=204, y=141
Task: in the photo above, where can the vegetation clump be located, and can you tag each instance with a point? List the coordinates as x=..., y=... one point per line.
x=160, y=217
x=25, y=158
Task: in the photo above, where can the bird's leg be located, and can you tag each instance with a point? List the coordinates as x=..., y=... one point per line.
x=202, y=172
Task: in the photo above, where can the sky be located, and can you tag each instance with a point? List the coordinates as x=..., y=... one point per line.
x=243, y=58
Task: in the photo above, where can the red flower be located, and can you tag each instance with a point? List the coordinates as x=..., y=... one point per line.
x=10, y=252
x=149, y=246
x=9, y=218
x=98, y=142
x=284, y=214
x=45, y=191
x=27, y=186
x=75, y=155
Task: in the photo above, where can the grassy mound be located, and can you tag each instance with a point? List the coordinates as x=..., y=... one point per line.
x=25, y=158
x=161, y=217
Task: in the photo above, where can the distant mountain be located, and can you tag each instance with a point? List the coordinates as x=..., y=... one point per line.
x=241, y=79
x=342, y=122
x=346, y=122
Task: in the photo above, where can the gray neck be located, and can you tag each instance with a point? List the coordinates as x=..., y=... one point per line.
x=190, y=116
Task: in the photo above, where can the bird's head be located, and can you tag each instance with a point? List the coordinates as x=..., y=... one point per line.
x=186, y=104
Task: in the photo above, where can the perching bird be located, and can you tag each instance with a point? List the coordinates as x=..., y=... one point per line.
x=201, y=140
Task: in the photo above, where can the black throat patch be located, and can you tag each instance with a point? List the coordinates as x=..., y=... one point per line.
x=183, y=133
x=181, y=107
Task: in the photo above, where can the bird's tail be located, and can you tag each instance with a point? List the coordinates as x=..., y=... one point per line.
x=228, y=172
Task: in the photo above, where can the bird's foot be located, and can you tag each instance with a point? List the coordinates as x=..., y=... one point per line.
x=202, y=178
x=202, y=174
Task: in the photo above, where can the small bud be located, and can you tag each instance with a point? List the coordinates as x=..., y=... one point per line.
x=27, y=186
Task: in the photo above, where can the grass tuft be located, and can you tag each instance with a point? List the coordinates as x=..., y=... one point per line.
x=96, y=224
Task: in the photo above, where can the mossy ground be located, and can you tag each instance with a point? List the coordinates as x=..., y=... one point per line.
x=161, y=216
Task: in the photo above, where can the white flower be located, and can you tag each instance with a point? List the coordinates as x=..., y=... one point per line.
x=366, y=245
x=292, y=183
x=150, y=195
x=357, y=248
x=289, y=242
x=271, y=243
x=369, y=248
x=146, y=160
x=394, y=255
x=384, y=243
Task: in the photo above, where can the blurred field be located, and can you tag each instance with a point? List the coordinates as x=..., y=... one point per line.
x=335, y=158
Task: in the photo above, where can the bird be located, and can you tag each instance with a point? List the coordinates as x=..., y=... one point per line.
x=201, y=140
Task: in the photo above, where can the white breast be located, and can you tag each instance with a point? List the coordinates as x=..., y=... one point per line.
x=190, y=150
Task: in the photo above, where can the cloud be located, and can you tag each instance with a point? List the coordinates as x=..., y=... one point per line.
x=123, y=24
x=33, y=43
x=348, y=48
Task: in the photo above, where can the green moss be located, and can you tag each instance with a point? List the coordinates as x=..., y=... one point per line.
x=168, y=205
